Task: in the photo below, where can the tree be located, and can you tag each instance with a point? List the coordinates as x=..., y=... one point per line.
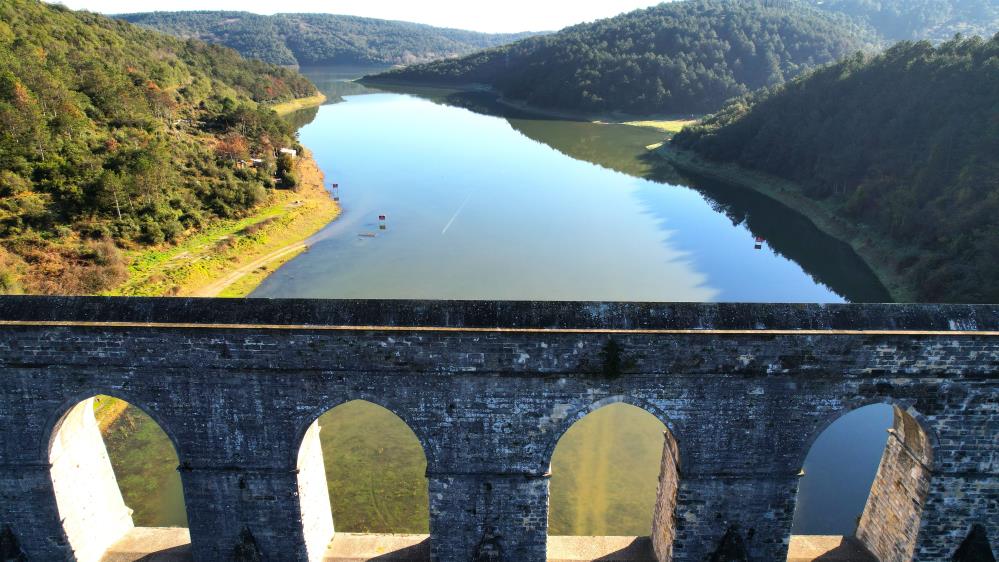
x=233, y=147
x=903, y=143
x=679, y=57
x=88, y=149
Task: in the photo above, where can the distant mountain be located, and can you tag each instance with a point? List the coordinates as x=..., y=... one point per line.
x=903, y=143
x=681, y=57
x=316, y=39
x=937, y=20
x=113, y=136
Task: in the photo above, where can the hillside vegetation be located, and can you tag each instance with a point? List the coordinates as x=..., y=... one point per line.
x=904, y=143
x=316, y=39
x=112, y=137
x=682, y=57
x=937, y=20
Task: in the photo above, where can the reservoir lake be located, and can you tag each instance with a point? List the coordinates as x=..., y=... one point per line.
x=485, y=201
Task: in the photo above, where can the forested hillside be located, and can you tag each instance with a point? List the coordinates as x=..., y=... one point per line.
x=313, y=39
x=905, y=143
x=682, y=57
x=937, y=20
x=114, y=136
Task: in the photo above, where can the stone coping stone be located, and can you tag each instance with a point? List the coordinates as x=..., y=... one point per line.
x=503, y=314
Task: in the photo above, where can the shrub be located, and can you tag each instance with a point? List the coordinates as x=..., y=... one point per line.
x=290, y=181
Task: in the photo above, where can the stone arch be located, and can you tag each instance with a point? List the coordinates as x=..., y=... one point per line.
x=57, y=415
x=313, y=491
x=889, y=526
x=579, y=412
x=907, y=406
x=306, y=422
x=94, y=516
x=664, y=510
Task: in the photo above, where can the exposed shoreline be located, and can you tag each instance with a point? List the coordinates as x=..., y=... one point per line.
x=297, y=104
x=232, y=258
x=879, y=254
x=662, y=122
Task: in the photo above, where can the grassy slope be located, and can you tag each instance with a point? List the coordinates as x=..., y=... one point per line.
x=213, y=253
x=118, y=138
x=297, y=104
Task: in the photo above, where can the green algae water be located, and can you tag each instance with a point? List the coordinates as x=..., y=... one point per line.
x=488, y=202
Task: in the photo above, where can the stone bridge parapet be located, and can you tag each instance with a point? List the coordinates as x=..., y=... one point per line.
x=489, y=388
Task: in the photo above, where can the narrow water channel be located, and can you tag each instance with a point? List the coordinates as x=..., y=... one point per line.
x=486, y=202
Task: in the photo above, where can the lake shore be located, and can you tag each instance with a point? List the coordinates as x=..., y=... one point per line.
x=298, y=104
x=232, y=258
x=880, y=254
x=668, y=123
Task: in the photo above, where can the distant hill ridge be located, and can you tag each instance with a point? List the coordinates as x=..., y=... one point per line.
x=316, y=39
x=680, y=57
x=936, y=20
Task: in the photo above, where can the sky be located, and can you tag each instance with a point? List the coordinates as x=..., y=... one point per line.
x=478, y=15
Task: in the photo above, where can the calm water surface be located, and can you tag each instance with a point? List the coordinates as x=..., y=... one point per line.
x=484, y=202
x=477, y=209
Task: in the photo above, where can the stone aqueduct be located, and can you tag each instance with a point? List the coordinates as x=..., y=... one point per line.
x=488, y=388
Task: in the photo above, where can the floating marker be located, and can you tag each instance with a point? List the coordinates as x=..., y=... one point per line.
x=336, y=192
x=381, y=223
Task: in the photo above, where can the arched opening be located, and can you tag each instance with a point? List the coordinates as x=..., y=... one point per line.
x=362, y=467
x=864, y=484
x=114, y=473
x=613, y=489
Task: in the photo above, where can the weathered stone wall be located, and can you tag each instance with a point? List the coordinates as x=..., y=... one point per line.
x=488, y=389
x=889, y=526
x=664, y=518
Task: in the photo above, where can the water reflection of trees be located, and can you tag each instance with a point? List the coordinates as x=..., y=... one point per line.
x=826, y=260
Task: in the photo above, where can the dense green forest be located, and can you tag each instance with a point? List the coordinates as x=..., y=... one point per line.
x=114, y=136
x=315, y=39
x=937, y=20
x=905, y=143
x=682, y=57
